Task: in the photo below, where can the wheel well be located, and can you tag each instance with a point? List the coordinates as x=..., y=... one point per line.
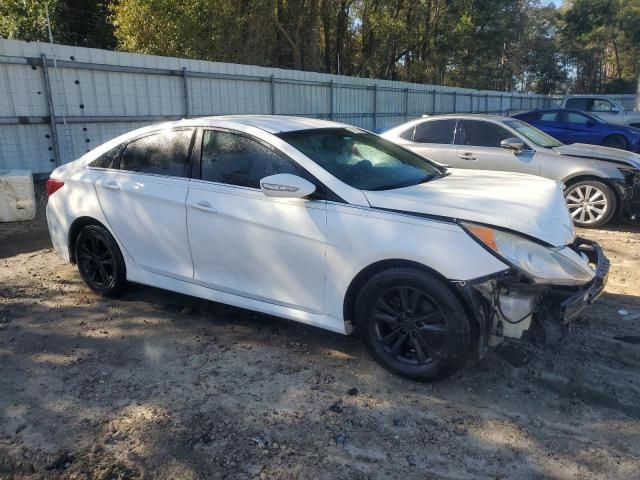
x=607, y=182
x=365, y=274
x=74, y=231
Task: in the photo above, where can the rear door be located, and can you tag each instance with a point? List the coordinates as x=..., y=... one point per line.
x=143, y=198
x=433, y=139
x=478, y=147
x=551, y=122
x=248, y=244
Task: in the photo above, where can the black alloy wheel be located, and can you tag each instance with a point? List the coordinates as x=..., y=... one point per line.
x=411, y=327
x=100, y=261
x=413, y=324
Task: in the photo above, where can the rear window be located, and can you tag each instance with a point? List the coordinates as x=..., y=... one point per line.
x=435, y=131
x=162, y=153
x=578, y=103
x=107, y=159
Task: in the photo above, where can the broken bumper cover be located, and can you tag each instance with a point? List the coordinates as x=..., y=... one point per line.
x=570, y=302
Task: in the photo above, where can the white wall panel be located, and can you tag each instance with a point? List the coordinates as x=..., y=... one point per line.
x=96, y=92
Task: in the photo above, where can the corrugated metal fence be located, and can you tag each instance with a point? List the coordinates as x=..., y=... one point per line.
x=57, y=102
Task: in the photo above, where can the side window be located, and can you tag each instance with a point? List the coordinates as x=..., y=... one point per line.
x=478, y=133
x=408, y=134
x=436, y=131
x=237, y=160
x=549, y=117
x=529, y=117
x=106, y=160
x=164, y=153
x=577, y=118
x=601, y=105
x=579, y=103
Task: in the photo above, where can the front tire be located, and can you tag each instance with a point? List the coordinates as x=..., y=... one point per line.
x=100, y=261
x=591, y=203
x=412, y=324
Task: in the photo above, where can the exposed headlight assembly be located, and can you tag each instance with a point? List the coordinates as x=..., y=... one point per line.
x=541, y=264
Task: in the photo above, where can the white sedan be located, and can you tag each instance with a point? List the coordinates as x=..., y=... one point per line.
x=329, y=225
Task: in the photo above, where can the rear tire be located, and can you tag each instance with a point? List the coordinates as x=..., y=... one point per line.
x=100, y=261
x=591, y=203
x=412, y=324
x=615, y=141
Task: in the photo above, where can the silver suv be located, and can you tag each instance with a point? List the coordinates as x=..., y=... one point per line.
x=607, y=109
x=601, y=183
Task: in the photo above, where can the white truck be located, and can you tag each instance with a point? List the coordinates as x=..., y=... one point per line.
x=607, y=109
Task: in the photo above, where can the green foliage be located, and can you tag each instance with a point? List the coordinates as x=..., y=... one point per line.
x=73, y=22
x=511, y=45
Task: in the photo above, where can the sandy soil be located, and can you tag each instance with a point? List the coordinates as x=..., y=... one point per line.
x=158, y=385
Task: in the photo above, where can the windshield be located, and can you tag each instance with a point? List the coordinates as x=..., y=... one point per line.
x=363, y=160
x=532, y=133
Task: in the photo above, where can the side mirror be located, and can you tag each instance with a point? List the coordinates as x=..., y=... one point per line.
x=285, y=185
x=512, y=143
x=616, y=109
x=590, y=123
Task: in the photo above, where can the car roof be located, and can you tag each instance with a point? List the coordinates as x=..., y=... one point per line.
x=270, y=123
x=471, y=116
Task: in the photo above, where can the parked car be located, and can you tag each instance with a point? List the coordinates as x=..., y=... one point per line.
x=607, y=109
x=574, y=126
x=329, y=225
x=601, y=183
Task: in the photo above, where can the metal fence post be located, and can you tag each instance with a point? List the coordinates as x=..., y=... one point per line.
x=331, y=99
x=185, y=91
x=433, y=101
x=501, y=97
x=486, y=103
x=375, y=106
x=52, y=115
x=273, y=94
x=406, y=104
x=455, y=100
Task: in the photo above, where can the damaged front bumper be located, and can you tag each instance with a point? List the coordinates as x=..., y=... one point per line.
x=506, y=305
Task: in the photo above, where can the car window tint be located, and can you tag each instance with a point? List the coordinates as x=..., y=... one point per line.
x=579, y=103
x=549, y=117
x=601, y=105
x=482, y=134
x=408, y=134
x=575, y=117
x=237, y=160
x=163, y=153
x=437, y=131
x=529, y=117
x=106, y=160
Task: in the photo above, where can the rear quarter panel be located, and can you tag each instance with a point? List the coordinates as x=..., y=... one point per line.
x=77, y=198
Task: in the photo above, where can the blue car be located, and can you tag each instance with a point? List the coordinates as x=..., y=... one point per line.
x=575, y=126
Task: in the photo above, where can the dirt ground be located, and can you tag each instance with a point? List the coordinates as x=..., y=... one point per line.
x=159, y=385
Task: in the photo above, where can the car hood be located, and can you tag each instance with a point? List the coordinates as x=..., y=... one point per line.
x=524, y=203
x=600, y=153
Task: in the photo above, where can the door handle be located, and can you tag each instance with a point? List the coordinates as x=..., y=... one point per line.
x=204, y=206
x=111, y=186
x=467, y=156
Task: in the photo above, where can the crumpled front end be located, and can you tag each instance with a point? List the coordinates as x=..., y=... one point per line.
x=511, y=303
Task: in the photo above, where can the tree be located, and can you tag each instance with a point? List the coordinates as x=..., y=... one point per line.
x=73, y=22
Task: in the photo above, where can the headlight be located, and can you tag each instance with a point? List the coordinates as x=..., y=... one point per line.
x=553, y=266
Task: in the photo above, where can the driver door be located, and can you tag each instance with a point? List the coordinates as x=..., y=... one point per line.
x=478, y=147
x=245, y=243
